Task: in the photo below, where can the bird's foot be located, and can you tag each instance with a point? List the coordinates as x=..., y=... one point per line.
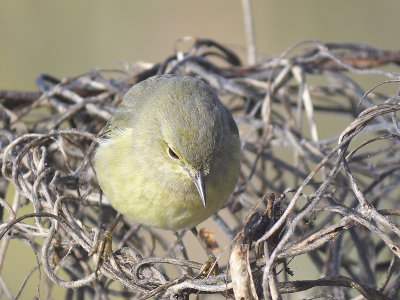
x=210, y=267
x=102, y=248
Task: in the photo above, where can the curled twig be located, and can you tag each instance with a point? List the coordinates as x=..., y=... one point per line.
x=327, y=181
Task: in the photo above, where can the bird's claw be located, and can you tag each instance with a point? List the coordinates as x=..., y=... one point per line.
x=210, y=267
x=102, y=249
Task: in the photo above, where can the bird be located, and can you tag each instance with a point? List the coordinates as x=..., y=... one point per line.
x=170, y=155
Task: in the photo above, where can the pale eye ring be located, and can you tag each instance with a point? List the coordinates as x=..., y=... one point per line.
x=172, y=153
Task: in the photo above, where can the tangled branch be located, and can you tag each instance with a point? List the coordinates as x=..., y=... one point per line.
x=320, y=177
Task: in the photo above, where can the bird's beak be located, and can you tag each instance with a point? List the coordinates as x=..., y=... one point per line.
x=200, y=183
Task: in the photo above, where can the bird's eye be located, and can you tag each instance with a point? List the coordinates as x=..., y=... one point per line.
x=172, y=153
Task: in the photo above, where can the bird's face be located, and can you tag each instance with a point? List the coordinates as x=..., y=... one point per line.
x=191, y=143
x=196, y=173
x=190, y=154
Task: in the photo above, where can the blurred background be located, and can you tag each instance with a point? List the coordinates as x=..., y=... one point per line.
x=68, y=38
x=71, y=37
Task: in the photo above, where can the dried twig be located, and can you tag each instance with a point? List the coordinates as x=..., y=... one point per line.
x=326, y=184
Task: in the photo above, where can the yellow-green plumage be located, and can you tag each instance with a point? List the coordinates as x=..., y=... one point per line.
x=142, y=177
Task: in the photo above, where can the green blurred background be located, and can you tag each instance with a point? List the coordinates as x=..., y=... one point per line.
x=66, y=38
x=70, y=37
